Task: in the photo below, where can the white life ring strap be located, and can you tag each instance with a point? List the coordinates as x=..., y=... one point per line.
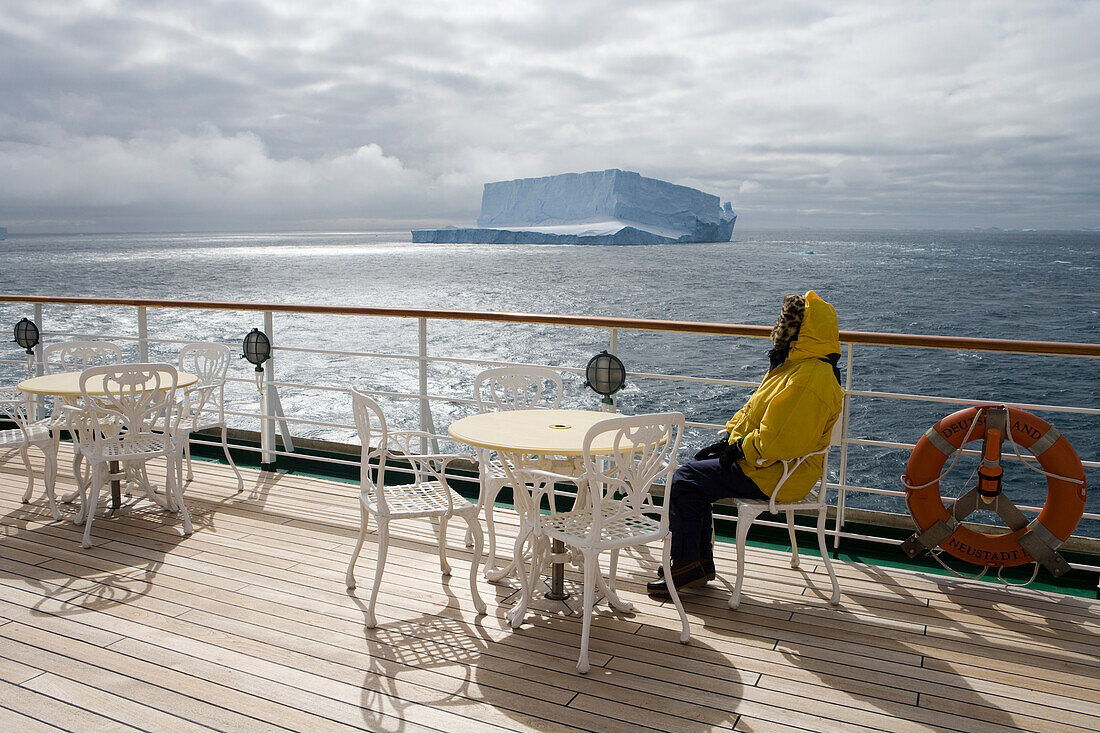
x=930, y=538
x=940, y=442
x=1041, y=445
x=944, y=447
x=1042, y=545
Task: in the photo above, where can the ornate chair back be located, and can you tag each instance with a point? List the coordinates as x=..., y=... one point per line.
x=138, y=398
x=517, y=388
x=14, y=408
x=210, y=362
x=76, y=356
x=645, y=449
x=371, y=425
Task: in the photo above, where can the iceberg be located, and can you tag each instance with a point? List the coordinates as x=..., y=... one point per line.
x=598, y=207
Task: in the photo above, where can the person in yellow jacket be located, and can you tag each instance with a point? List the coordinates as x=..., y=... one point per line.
x=789, y=415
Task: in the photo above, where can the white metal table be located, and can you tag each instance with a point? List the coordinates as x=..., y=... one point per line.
x=519, y=437
x=66, y=385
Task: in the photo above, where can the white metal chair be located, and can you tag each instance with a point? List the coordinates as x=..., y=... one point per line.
x=133, y=422
x=204, y=403
x=15, y=407
x=499, y=389
x=74, y=356
x=749, y=509
x=429, y=496
x=614, y=510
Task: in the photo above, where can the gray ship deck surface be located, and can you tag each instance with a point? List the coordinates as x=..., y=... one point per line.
x=246, y=625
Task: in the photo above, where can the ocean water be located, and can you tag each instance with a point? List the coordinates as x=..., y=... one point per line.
x=1029, y=285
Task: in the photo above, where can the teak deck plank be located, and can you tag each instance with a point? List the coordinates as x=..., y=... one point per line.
x=246, y=625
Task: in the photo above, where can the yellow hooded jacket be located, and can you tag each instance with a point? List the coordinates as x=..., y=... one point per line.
x=793, y=410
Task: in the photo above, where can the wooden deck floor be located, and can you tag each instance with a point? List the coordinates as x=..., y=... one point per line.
x=246, y=625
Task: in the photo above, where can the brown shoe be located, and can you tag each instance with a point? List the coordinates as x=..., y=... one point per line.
x=708, y=566
x=688, y=576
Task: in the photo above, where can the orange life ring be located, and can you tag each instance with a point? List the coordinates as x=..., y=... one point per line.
x=1065, y=501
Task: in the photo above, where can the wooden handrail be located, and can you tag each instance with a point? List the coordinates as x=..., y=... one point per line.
x=960, y=343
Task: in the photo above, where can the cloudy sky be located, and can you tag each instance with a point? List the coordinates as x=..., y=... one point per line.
x=152, y=115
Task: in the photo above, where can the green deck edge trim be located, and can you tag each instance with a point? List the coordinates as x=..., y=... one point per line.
x=1075, y=583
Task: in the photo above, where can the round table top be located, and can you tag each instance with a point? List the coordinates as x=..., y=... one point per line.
x=67, y=384
x=541, y=432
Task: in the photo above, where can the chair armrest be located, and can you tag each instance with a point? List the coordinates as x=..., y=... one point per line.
x=80, y=422
x=195, y=399
x=539, y=475
x=419, y=434
x=789, y=467
x=543, y=485
x=403, y=439
x=442, y=457
x=400, y=445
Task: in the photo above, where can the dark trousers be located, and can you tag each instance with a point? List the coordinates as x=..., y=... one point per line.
x=695, y=486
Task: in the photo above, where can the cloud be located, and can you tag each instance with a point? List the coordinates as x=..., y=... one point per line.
x=855, y=173
x=122, y=113
x=217, y=174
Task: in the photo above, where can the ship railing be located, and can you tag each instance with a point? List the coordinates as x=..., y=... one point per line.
x=270, y=418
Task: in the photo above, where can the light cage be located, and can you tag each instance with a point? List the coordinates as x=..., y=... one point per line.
x=605, y=374
x=257, y=348
x=26, y=334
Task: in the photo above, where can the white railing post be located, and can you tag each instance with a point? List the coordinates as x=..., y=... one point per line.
x=842, y=476
x=280, y=416
x=38, y=404
x=143, y=334
x=39, y=368
x=427, y=424
x=267, y=401
x=613, y=349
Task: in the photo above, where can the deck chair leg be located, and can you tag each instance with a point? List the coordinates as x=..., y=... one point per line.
x=379, y=568
x=79, y=474
x=608, y=591
x=137, y=473
x=526, y=580
x=91, y=499
x=745, y=517
x=51, y=484
x=491, y=528
x=55, y=438
x=474, y=528
x=187, y=452
x=177, y=466
x=82, y=482
x=364, y=516
x=835, y=598
x=666, y=563
x=173, y=475
x=469, y=539
x=444, y=566
x=591, y=569
x=794, y=541
x=612, y=570
x=175, y=489
x=229, y=457
x=30, y=474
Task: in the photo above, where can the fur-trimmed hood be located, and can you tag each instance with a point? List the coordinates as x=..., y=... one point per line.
x=819, y=335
